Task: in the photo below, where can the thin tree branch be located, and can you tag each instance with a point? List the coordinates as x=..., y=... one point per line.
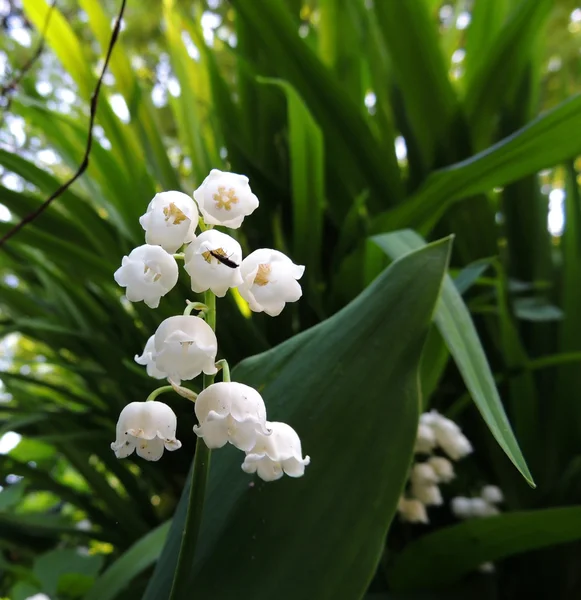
x=7, y=88
x=85, y=162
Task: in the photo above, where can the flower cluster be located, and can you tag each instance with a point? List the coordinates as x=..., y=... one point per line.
x=435, y=432
x=185, y=346
x=266, y=279
x=484, y=505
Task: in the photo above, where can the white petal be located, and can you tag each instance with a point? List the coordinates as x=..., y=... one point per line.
x=150, y=449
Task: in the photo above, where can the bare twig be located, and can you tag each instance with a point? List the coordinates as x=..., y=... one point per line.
x=7, y=88
x=85, y=162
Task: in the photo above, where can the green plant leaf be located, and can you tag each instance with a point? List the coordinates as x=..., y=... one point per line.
x=307, y=163
x=551, y=138
x=455, y=324
x=353, y=396
x=449, y=553
x=51, y=566
x=133, y=562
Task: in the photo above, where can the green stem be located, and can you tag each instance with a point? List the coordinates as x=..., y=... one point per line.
x=223, y=364
x=199, y=306
x=158, y=391
x=181, y=587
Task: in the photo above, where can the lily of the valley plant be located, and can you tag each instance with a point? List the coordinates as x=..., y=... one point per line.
x=185, y=346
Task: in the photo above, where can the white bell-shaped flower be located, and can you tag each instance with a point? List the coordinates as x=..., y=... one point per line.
x=225, y=199
x=270, y=281
x=423, y=474
x=425, y=439
x=412, y=510
x=481, y=508
x=443, y=468
x=148, y=273
x=492, y=494
x=461, y=507
x=212, y=261
x=448, y=435
x=170, y=221
x=147, y=427
x=185, y=346
x=428, y=493
x=146, y=359
x=277, y=453
x=230, y=412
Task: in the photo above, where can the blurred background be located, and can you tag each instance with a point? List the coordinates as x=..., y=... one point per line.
x=351, y=118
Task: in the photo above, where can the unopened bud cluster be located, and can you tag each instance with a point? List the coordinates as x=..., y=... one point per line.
x=435, y=433
x=185, y=346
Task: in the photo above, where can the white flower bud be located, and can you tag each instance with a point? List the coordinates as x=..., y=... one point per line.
x=148, y=273
x=427, y=493
x=170, y=221
x=148, y=427
x=230, y=412
x=412, y=510
x=270, y=280
x=146, y=359
x=492, y=494
x=461, y=507
x=448, y=435
x=443, y=468
x=225, y=199
x=425, y=440
x=276, y=453
x=423, y=474
x=208, y=272
x=184, y=347
x=481, y=508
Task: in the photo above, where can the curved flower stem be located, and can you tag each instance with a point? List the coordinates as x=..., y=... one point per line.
x=223, y=364
x=180, y=587
x=158, y=391
x=202, y=308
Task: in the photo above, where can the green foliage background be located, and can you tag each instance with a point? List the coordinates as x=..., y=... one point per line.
x=315, y=100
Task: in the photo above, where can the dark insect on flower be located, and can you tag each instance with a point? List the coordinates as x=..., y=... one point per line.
x=223, y=259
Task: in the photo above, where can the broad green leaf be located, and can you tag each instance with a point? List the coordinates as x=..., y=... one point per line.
x=133, y=562
x=551, y=138
x=352, y=394
x=51, y=566
x=307, y=164
x=457, y=328
x=448, y=554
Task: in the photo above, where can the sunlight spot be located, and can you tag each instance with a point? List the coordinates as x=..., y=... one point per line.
x=158, y=96
x=44, y=88
x=18, y=32
x=16, y=128
x=446, y=14
x=9, y=441
x=576, y=15
x=191, y=48
x=401, y=150
x=458, y=55
x=47, y=156
x=10, y=280
x=556, y=217
x=370, y=99
x=5, y=214
x=13, y=182
x=304, y=30
x=554, y=64
x=65, y=95
x=463, y=20
x=173, y=87
x=120, y=107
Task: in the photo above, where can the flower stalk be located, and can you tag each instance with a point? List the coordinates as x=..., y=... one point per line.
x=199, y=479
